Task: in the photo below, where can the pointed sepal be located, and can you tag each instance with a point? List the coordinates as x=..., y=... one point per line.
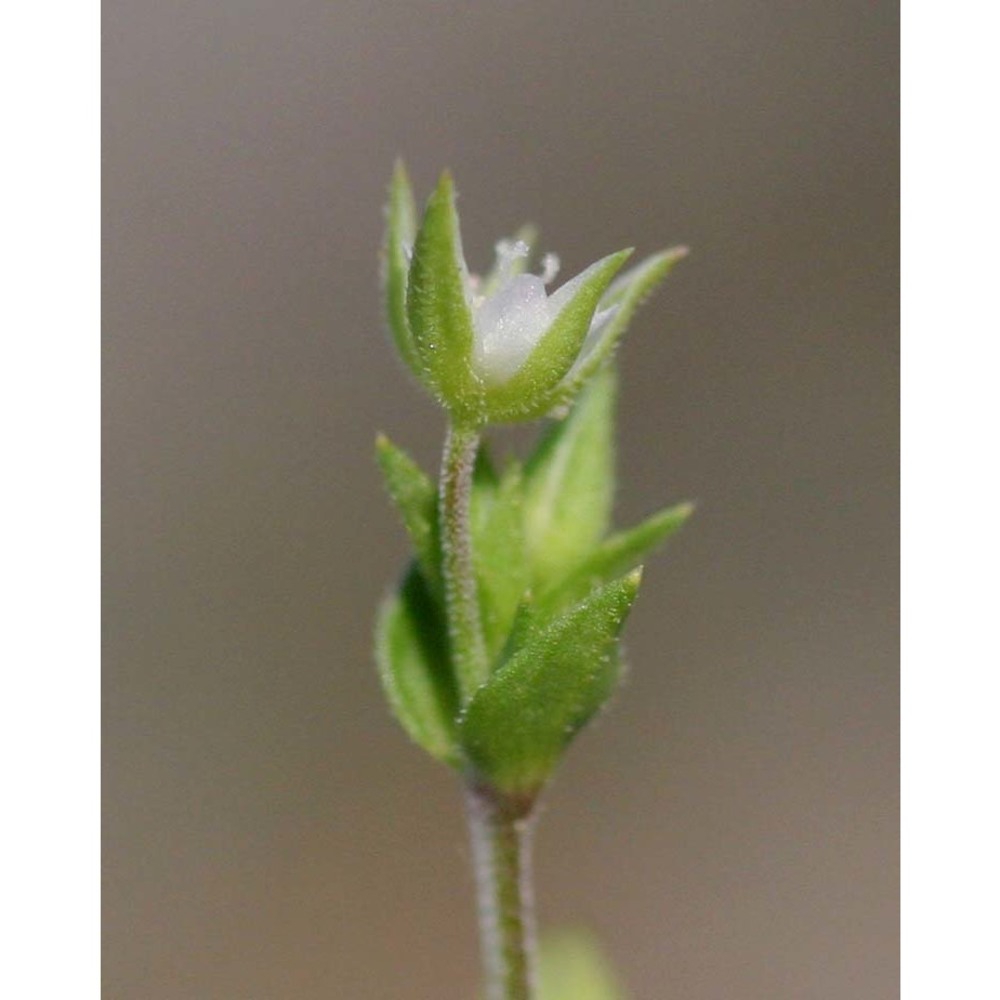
x=438, y=309
x=622, y=299
x=400, y=233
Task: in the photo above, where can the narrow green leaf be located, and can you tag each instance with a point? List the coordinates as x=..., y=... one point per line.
x=504, y=268
x=569, y=484
x=415, y=496
x=411, y=650
x=625, y=295
x=524, y=396
x=437, y=307
x=518, y=724
x=572, y=966
x=498, y=548
x=400, y=213
x=617, y=554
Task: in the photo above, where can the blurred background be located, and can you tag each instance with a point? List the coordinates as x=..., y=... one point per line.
x=729, y=828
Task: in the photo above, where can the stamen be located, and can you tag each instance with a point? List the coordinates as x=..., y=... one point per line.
x=550, y=268
x=507, y=252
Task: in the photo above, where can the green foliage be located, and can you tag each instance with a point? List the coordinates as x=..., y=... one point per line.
x=552, y=583
x=554, y=588
x=400, y=233
x=415, y=497
x=617, y=554
x=437, y=305
x=573, y=967
x=498, y=548
x=624, y=296
x=569, y=484
x=411, y=651
x=518, y=723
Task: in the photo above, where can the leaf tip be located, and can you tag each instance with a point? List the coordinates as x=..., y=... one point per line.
x=446, y=186
x=686, y=509
x=399, y=174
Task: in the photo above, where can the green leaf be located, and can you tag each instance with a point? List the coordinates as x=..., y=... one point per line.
x=415, y=496
x=626, y=294
x=569, y=484
x=504, y=269
x=437, y=308
x=411, y=650
x=400, y=232
x=519, y=722
x=616, y=555
x=572, y=967
x=498, y=548
x=527, y=393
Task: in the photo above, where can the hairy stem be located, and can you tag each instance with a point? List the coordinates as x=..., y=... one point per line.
x=464, y=626
x=499, y=827
x=501, y=831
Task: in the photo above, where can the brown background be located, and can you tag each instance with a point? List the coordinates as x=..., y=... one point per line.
x=729, y=828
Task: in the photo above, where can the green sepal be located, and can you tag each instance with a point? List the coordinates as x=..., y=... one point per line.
x=498, y=548
x=528, y=235
x=625, y=294
x=411, y=650
x=569, y=484
x=617, y=554
x=437, y=307
x=572, y=966
x=527, y=394
x=518, y=724
x=415, y=497
x=400, y=232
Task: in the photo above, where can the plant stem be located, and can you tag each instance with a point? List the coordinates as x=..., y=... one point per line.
x=499, y=826
x=501, y=831
x=464, y=626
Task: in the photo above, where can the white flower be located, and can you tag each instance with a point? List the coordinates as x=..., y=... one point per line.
x=511, y=318
x=499, y=349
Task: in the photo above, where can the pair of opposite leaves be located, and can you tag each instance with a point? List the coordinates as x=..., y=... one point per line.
x=554, y=590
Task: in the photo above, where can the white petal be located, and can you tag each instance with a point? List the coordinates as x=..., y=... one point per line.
x=508, y=325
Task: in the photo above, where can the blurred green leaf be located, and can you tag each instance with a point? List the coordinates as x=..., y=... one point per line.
x=498, y=547
x=415, y=496
x=437, y=308
x=573, y=967
x=518, y=723
x=411, y=651
x=569, y=484
x=527, y=394
x=617, y=554
x=399, y=236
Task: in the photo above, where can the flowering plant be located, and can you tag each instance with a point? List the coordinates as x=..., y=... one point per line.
x=502, y=640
